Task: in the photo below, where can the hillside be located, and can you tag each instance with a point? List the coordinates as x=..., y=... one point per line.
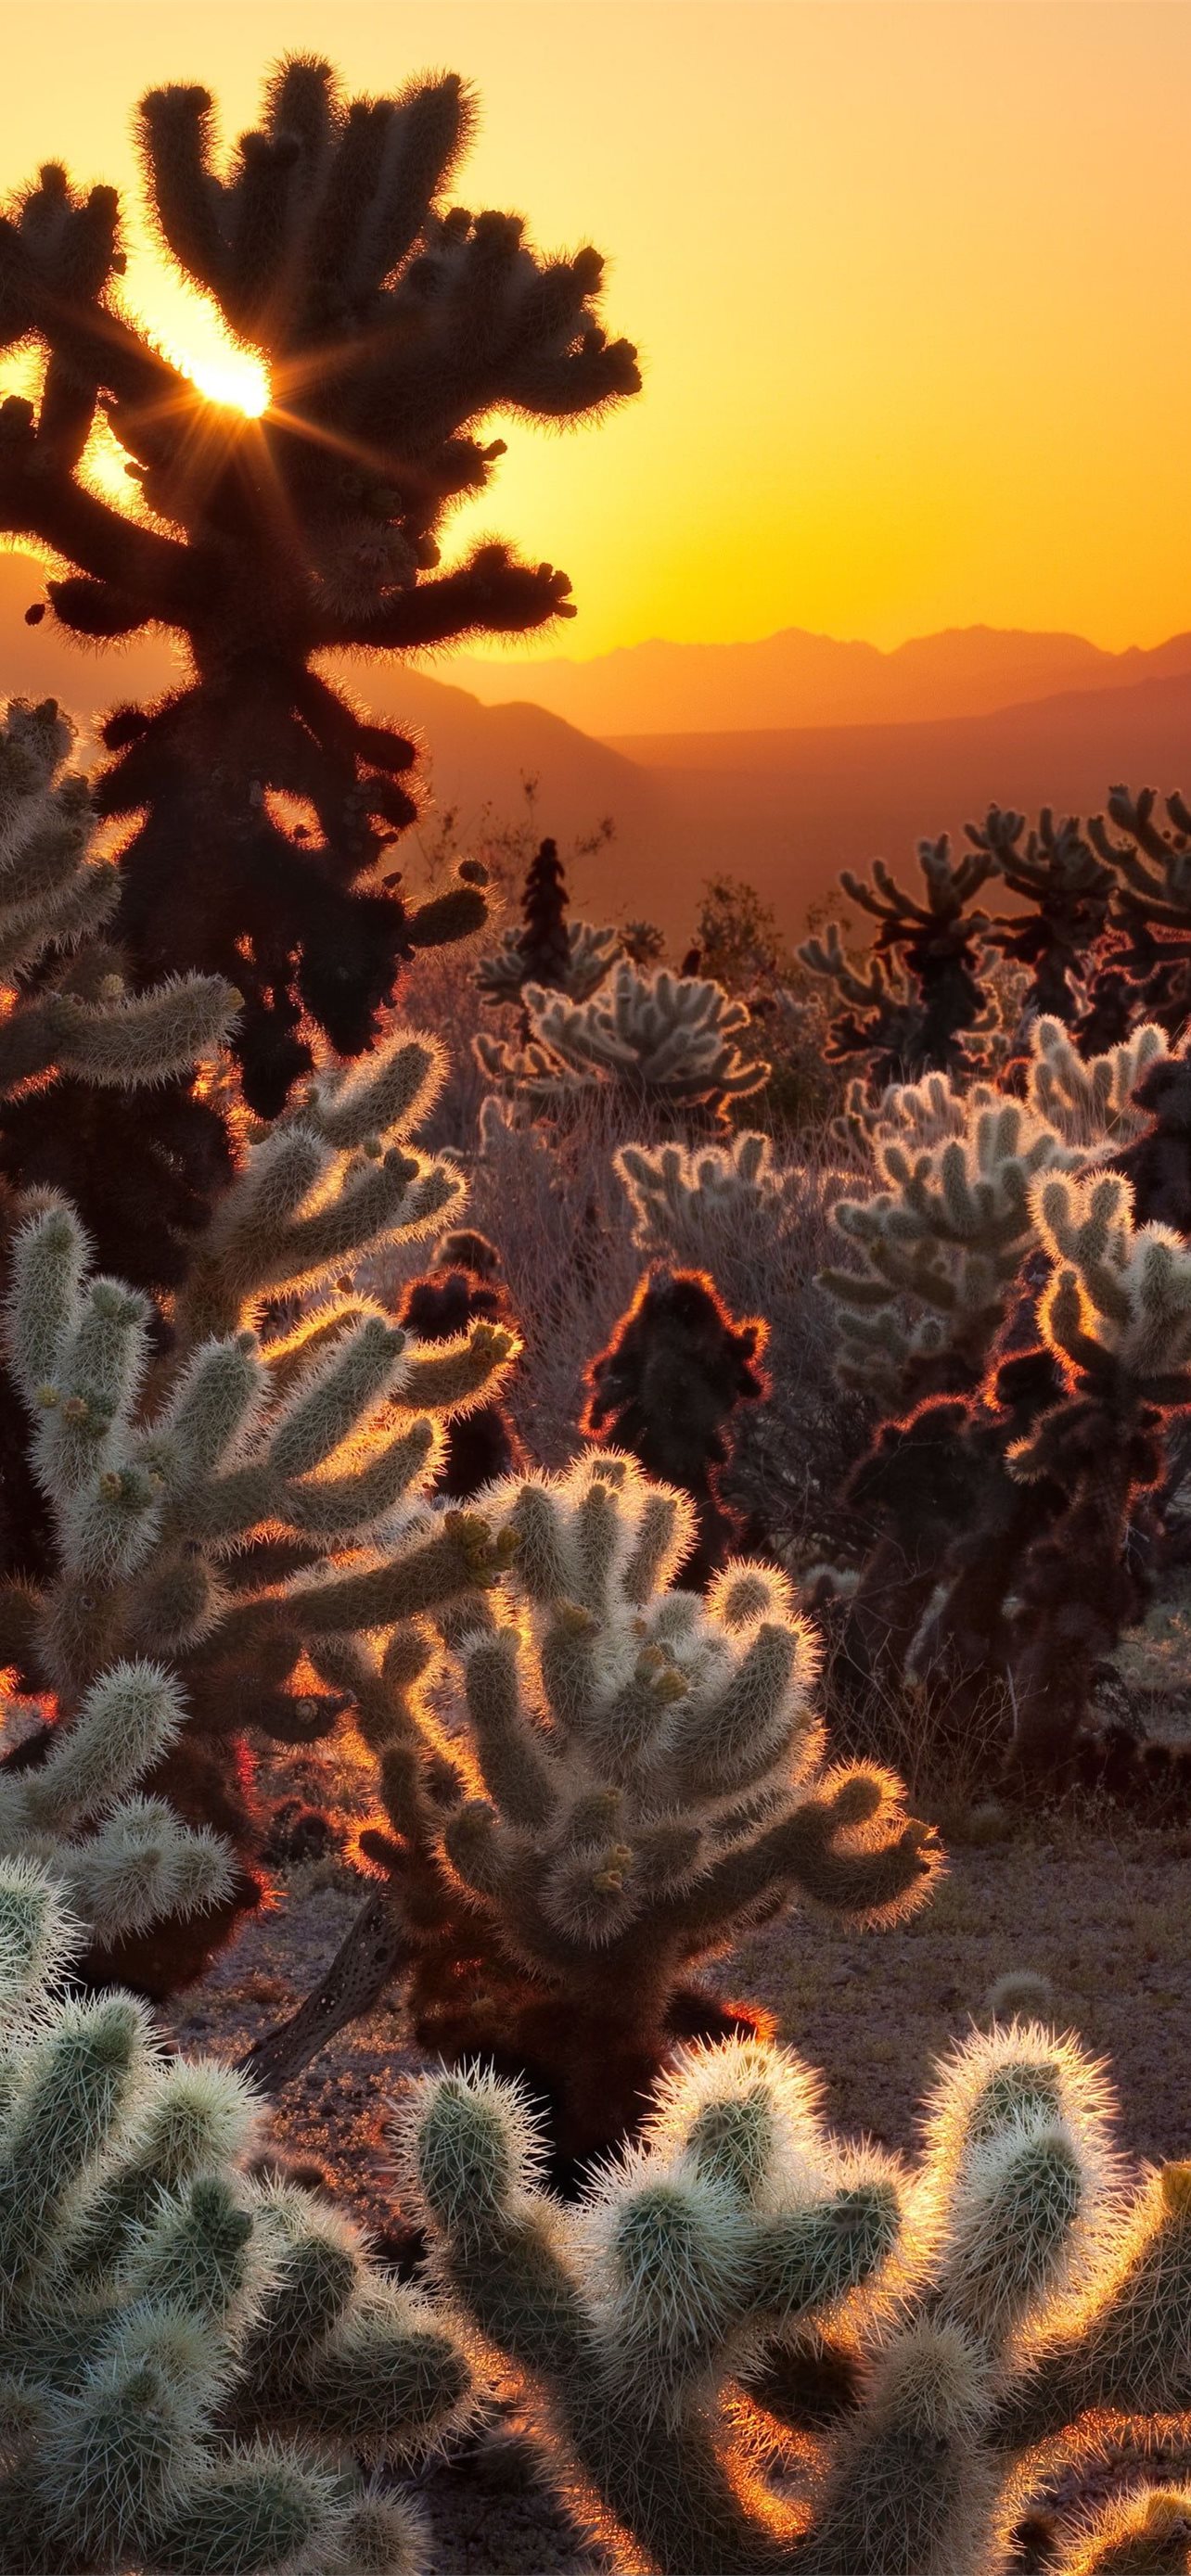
x=787, y=810
x=784, y=808
x=794, y=678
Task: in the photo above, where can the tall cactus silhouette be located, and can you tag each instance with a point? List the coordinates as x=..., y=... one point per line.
x=391, y=324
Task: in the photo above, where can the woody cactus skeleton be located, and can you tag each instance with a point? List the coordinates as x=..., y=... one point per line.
x=218, y=1510
x=391, y=326
x=194, y=2357
x=1009, y=2325
x=592, y=1785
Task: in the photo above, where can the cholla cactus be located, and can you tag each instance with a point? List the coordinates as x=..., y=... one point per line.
x=1131, y=1105
x=691, y=1203
x=394, y=325
x=597, y=1782
x=952, y=1227
x=194, y=2359
x=125, y=1862
x=463, y=1287
x=1068, y=889
x=1091, y=1101
x=78, y=1048
x=564, y=957
x=643, y=942
x=1009, y=2328
x=55, y=894
x=666, y=1039
x=667, y=1387
x=946, y=1234
x=918, y=1016
x=223, y=1509
x=1116, y=1315
x=1151, y=912
x=502, y=975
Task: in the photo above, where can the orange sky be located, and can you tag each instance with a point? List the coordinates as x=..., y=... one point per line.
x=911, y=281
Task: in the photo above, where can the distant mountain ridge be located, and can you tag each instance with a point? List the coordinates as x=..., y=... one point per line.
x=783, y=808
x=795, y=678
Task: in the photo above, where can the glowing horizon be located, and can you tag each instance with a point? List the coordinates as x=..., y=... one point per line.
x=911, y=362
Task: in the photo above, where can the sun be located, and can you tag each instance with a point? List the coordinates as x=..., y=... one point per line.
x=234, y=377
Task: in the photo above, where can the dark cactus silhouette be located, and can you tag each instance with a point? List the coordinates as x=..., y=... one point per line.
x=922, y=998
x=1067, y=890
x=545, y=945
x=666, y=1388
x=389, y=325
x=462, y=1288
x=1146, y=962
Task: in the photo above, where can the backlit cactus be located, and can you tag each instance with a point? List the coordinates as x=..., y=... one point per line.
x=663, y=1039
x=1090, y=1100
x=1116, y=1316
x=125, y=1862
x=262, y=1487
x=96, y=1094
x=591, y=953
x=942, y=1241
x=56, y=895
x=1008, y=2324
x=696, y=1203
x=571, y=957
x=194, y=2359
x=668, y=1388
x=594, y=1782
x=1067, y=889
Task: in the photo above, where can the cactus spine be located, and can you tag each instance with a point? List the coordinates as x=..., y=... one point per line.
x=591, y=1782
x=662, y=1039
x=193, y=2358
x=667, y=2329
x=261, y=1488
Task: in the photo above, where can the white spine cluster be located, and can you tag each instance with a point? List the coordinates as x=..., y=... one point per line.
x=1124, y=1288
x=594, y=950
x=1089, y=1100
x=649, y=1766
x=57, y=895
x=1014, y=2315
x=663, y=1038
x=690, y=1203
x=122, y=1861
x=323, y=1439
x=942, y=1240
x=193, y=2359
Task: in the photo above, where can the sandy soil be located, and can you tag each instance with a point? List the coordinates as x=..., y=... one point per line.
x=1100, y=1910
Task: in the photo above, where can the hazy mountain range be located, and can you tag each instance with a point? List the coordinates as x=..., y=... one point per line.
x=1018, y=719
x=799, y=679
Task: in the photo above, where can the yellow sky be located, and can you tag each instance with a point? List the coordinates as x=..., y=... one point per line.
x=911, y=279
